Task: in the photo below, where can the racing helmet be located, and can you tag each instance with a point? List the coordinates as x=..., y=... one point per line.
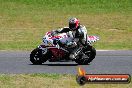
x=73, y=24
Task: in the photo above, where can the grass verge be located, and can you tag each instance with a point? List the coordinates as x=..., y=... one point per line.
x=24, y=22
x=49, y=81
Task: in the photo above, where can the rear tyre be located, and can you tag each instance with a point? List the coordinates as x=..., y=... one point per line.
x=87, y=56
x=36, y=57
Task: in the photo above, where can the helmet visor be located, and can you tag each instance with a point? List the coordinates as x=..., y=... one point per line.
x=72, y=26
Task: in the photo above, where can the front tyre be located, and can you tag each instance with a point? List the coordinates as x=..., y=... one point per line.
x=36, y=56
x=87, y=56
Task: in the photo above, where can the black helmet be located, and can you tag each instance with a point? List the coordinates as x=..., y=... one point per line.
x=73, y=24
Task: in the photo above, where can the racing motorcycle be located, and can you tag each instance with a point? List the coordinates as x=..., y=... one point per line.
x=53, y=52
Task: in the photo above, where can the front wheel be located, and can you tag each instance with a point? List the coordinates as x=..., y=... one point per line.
x=87, y=56
x=36, y=56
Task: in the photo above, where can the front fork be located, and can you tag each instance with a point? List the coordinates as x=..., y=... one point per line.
x=43, y=49
x=75, y=53
x=79, y=51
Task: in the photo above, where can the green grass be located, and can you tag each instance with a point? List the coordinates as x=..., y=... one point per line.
x=49, y=81
x=24, y=22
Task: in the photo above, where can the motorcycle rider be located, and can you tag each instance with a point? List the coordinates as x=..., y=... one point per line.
x=77, y=32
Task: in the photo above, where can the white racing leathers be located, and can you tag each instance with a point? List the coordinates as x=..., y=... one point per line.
x=77, y=40
x=74, y=38
x=79, y=35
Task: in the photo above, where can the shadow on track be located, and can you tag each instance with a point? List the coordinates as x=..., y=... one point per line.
x=61, y=64
x=56, y=64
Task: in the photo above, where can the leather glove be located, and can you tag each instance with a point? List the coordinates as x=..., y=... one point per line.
x=55, y=41
x=53, y=33
x=71, y=44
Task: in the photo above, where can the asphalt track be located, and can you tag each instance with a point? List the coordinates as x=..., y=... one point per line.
x=106, y=62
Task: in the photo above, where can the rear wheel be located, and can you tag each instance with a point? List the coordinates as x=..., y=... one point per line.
x=36, y=57
x=86, y=57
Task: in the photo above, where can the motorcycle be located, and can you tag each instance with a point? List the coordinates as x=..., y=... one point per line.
x=52, y=51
